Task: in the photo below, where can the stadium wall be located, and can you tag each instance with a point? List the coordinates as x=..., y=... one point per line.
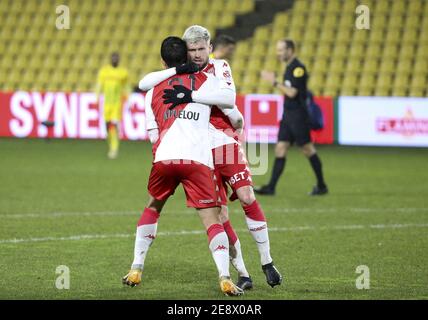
x=377, y=121
x=76, y=116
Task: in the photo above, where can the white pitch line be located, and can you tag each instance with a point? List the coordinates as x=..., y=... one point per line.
x=136, y=213
x=193, y=232
x=65, y=214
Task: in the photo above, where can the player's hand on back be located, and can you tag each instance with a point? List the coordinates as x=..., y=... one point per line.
x=179, y=95
x=189, y=67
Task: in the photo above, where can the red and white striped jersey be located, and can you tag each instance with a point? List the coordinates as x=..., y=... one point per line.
x=183, y=131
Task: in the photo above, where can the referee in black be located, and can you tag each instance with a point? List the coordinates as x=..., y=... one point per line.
x=294, y=126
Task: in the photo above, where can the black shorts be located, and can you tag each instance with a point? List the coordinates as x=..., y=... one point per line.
x=295, y=127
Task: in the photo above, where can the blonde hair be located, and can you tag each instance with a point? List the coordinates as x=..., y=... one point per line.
x=196, y=33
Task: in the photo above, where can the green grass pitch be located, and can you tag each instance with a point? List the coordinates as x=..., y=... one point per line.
x=65, y=203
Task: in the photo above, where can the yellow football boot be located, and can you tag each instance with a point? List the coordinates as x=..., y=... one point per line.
x=229, y=288
x=133, y=278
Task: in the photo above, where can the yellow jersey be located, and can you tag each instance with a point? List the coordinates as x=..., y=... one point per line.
x=113, y=84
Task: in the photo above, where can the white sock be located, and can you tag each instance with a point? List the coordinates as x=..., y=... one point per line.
x=219, y=246
x=237, y=260
x=259, y=231
x=146, y=233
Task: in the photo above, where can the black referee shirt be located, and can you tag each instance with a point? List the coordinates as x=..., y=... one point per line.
x=296, y=76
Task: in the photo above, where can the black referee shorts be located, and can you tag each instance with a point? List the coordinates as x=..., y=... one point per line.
x=295, y=128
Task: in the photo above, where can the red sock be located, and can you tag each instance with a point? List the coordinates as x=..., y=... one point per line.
x=149, y=216
x=254, y=212
x=231, y=234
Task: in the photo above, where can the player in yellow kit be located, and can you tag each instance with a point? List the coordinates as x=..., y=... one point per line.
x=113, y=84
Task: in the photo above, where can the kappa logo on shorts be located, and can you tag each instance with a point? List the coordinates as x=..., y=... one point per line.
x=206, y=201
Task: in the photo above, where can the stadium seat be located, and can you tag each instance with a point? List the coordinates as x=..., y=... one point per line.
x=367, y=82
x=324, y=50
x=407, y=52
x=404, y=67
x=353, y=66
x=423, y=36
x=330, y=22
x=333, y=7
x=297, y=21
x=413, y=22
x=333, y=83
x=422, y=52
x=343, y=36
x=383, y=91
x=315, y=22
x=382, y=7
x=414, y=7
x=340, y=51
x=337, y=66
x=320, y=67
x=420, y=67
x=365, y=91
x=246, y=6
x=416, y=92
x=311, y=36
x=301, y=6
x=327, y=36
x=383, y=84
x=350, y=81
x=399, y=6
x=390, y=51
x=348, y=91
x=360, y=38
x=387, y=67
x=379, y=23
x=371, y=67
x=393, y=36
x=409, y=36
x=419, y=82
x=347, y=20
x=356, y=51
x=376, y=36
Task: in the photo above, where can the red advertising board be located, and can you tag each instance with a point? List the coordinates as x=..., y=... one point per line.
x=326, y=135
x=263, y=112
x=76, y=116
